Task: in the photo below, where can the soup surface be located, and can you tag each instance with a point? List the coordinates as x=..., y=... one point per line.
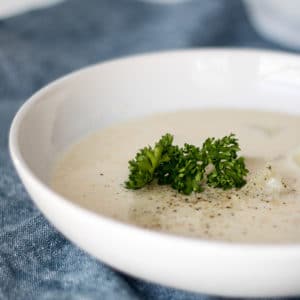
x=266, y=210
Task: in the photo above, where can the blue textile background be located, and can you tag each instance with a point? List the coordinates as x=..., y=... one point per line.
x=36, y=262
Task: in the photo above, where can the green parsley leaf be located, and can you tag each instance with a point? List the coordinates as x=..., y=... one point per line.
x=185, y=169
x=229, y=170
x=142, y=168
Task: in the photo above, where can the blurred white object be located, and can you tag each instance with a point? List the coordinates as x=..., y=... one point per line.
x=13, y=7
x=164, y=1
x=277, y=20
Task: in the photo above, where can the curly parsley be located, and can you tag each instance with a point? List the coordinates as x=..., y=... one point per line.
x=189, y=168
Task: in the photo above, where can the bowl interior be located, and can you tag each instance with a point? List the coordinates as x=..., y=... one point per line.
x=115, y=91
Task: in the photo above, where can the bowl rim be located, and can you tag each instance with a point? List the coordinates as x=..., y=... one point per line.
x=21, y=165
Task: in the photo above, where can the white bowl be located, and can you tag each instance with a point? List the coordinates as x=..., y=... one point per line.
x=97, y=96
x=277, y=20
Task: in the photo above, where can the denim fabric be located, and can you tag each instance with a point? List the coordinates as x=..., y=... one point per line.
x=36, y=262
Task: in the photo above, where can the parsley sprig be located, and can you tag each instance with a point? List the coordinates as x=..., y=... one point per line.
x=189, y=168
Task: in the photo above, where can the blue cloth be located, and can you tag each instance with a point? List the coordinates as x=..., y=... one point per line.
x=36, y=262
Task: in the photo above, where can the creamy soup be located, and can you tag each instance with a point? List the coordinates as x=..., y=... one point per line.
x=266, y=210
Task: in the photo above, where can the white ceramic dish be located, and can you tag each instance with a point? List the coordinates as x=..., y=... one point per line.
x=113, y=91
x=276, y=20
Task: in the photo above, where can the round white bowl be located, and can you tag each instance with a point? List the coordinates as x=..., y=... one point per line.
x=114, y=91
x=277, y=20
